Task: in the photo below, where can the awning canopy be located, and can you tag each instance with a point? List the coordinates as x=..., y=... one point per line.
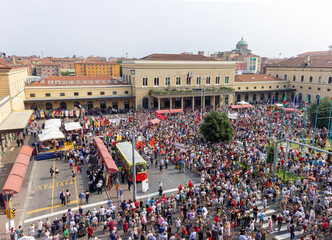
x=51, y=123
x=72, y=126
x=241, y=106
x=155, y=121
x=243, y=103
x=290, y=110
x=180, y=110
x=105, y=156
x=51, y=135
x=26, y=150
x=16, y=121
x=16, y=175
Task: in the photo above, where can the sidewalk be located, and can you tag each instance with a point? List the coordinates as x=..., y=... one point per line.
x=17, y=200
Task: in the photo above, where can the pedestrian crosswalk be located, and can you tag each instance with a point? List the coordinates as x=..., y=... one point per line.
x=283, y=233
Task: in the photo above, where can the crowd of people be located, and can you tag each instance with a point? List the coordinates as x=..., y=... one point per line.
x=234, y=177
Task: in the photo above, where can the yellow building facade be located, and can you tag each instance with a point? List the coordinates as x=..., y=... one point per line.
x=179, y=81
x=309, y=75
x=91, y=69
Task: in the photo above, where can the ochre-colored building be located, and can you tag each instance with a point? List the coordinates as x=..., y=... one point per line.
x=179, y=81
x=309, y=75
x=70, y=92
x=92, y=69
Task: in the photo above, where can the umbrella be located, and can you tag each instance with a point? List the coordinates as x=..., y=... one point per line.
x=312, y=178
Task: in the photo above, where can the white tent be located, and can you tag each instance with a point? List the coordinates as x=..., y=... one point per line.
x=243, y=103
x=50, y=136
x=50, y=130
x=53, y=123
x=279, y=105
x=72, y=126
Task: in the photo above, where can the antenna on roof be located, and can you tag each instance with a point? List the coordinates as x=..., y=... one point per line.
x=42, y=53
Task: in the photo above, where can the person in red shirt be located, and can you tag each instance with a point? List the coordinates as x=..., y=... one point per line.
x=190, y=184
x=267, y=184
x=125, y=227
x=90, y=232
x=180, y=188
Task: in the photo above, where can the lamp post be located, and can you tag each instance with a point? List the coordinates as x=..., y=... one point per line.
x=134, y=168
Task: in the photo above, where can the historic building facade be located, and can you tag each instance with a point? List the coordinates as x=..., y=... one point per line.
x=309, y=75
x=179, y=81
x=105, y=69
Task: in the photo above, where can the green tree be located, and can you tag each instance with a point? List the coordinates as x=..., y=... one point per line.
x=323, y=112
x=217, y=127
x=65, y=73
x=270, y=152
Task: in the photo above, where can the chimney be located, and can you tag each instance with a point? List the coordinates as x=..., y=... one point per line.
x=14, y=59
x=307, y=60
x=201, y=53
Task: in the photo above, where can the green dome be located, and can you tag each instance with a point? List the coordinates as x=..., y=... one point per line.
x=242, y=42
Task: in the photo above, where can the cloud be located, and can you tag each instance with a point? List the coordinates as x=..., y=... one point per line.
x=227, y=1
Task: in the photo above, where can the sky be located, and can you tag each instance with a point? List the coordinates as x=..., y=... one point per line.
x=137, y=28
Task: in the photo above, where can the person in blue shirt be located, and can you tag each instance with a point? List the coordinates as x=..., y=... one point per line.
x=261, y=218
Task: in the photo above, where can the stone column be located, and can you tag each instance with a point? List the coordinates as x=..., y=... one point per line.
x=182, y=103
x=170, y=103
x=158, y=103
x=213, y=99
x=193, y=103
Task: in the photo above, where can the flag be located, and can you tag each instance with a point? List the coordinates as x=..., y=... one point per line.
x=273, y=100
x=191, y=74
x=188, y=76
x=295, y=100
x=284, y=100
x=160, y=116
x=307, y=101
x=317, y=100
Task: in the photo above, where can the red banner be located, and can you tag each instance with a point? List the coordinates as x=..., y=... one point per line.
x=161, y=116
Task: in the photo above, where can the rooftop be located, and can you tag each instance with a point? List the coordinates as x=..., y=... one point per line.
x=324, y=61
x=255, y=78
x=177, y=57
x=48, y=64
x=91, y=62
x=76, y=81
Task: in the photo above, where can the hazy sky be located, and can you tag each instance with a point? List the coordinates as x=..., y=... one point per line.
x=141, y=27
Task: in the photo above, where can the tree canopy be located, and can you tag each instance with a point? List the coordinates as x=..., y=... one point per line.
x=217, y=127
x=323, y=112
x=65, y=73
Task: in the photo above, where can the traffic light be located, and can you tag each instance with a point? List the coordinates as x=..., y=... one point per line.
x=12, y=212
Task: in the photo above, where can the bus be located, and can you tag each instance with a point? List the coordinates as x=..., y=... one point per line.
x=124, y=154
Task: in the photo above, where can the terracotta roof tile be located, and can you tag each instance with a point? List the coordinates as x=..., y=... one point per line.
x=305, y=62
x=177, y=57
x=77, y=81
x=256, y=78
x=48, y=64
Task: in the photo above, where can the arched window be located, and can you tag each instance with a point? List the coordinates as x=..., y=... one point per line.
x=277, y=97
x=319, y=79
x=48, y=105
x=238, y=98
x=246, y=97
x=277, y=75
x=302, y=78
x=63, y=105
x=330, y=80
x=254, y=97
x=294, y=78
x=285, y=77
x=300, y=97
x=262, y=96
x=269, y=96
x=309, y=98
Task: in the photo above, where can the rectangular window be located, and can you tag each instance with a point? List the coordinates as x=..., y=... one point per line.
x=208, y=81
x=62, y=94
x=50, y=82
x=102, y=93
x=126, y=92
x=71, y=82
x=115, y=92
x=47, y=94
x=85, y=82
x=32, y=95
x=198, y=81
x=217, y=79
x=226, y=79
x=178, y=81
x=167, y=81
x=145, y=81
x=156, y=81
x=89, y=93
x=75, y=93
x=64, y=82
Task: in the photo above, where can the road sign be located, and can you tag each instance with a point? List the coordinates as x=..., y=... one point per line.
x=145, y=185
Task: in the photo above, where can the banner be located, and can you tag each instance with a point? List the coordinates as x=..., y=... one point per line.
x=161, y=116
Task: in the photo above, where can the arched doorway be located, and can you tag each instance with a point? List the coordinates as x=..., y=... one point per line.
x=254, y=97
x=77, y=104
x=115, y=105
x=145, y=103
x=277, y=97
x=90, y=105
x=33, y=106
x=155, y=103
x=269, y=96
x=48, y=105
x=309, y=98
x=246, y=97
x=126, y=104
x=102, y=106
x=262, y=97
x=63, y=105
x=292, y=96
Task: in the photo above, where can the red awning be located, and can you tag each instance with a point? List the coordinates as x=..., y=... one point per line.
x=176, y=111
x=12, y=185
x=26, y=150
x=105, y=155
x=16, y=175
x=155, y=121
x=22, y=159
x=290, y=110
x=241, y=106
x=162, y=111
x=170, y=111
